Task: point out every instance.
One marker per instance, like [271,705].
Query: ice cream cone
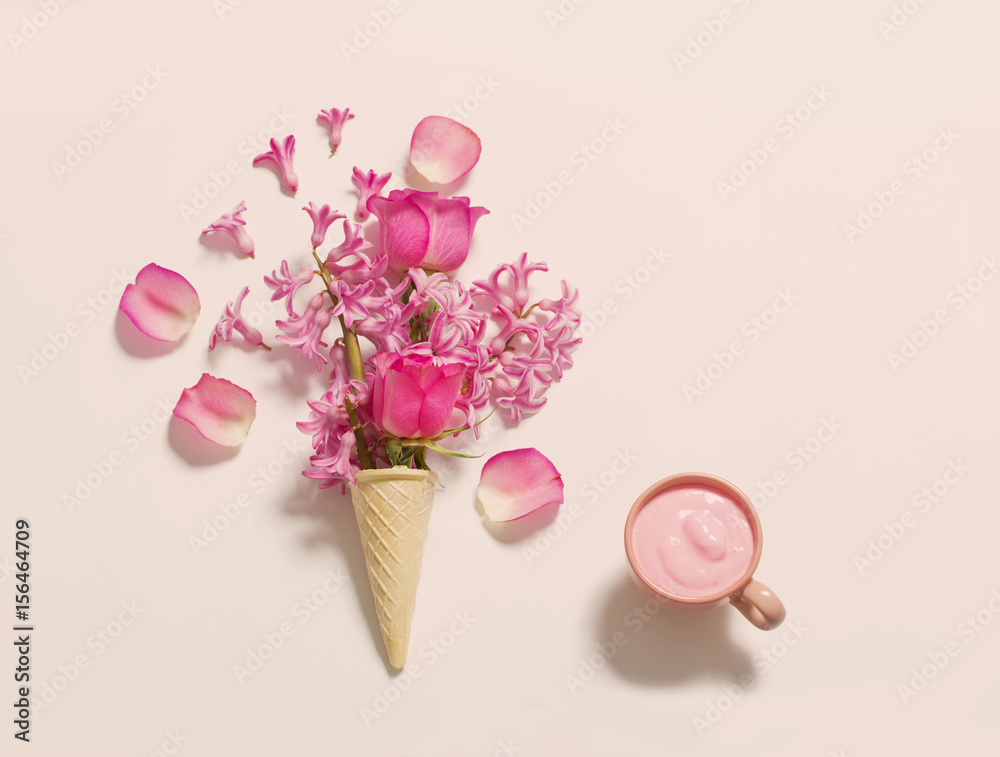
[393,508]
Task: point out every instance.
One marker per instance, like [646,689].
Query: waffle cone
[393,509]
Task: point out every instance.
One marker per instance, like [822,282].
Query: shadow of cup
[662,647]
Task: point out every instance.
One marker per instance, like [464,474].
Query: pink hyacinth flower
[512,291]
[361,270]
[233,224]
[321,218]
[334,120]
[566,308]
[305,332]
[352,301]
[280,156]
[161,303]
[232,319]
[518,482]
[443,150]
[354,242]
[368,185]
[285,285]
[218,409]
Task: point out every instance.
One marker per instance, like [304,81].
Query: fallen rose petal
[443,150]
[161,303]
[218,409]
[518,482]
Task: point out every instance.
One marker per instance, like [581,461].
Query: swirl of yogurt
[692,541]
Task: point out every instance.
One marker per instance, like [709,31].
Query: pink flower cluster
[530,351]
[443,352]
[440,354]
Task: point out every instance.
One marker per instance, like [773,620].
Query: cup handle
[759,605]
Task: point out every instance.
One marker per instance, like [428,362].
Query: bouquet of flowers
[412,355]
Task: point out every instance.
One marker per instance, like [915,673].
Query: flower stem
[354,365]
[420,458]
[364,457]
[353,347]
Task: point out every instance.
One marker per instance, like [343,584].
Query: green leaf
[394,449]
[438,448]
[420,458]
[450,431]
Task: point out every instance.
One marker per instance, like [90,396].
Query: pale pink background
[621,413]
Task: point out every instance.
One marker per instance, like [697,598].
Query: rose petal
[220,411]
[518,482]
[161,303]
[403,228]
[443,150]
[450,226]
[401,416]
[439,399]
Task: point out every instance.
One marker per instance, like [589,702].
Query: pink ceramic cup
[752,598]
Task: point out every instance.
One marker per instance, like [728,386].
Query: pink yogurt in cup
[693,542]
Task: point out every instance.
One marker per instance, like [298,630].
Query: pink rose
[420,229]
[412,397]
